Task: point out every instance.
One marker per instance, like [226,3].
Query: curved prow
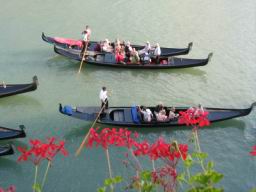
[190,46]
[210,56]
[22,127]
[35,80]
[43,36]
[253,105]
[60,108]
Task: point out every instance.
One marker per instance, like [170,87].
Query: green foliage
[37,187]
[109,184]
[253,190]
[144,182]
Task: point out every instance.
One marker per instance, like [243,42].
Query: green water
[226,28]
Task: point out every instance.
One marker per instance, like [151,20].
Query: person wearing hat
[104,97]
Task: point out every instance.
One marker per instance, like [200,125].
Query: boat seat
[118,116]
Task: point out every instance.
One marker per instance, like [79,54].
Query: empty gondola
[6,150]
[14,89]
[8,133]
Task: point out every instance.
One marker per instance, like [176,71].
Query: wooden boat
[128,116]
[6,150]
[8,133]
[77,44]
[108,59]
[14,89]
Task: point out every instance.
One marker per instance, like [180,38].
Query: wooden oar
[81,64]
[87,135]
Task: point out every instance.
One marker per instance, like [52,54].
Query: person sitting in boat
[135,58]
[106,46]
[128,50]
[161,116]
[146,114]
[161,113]
[196,111]
[157,53]
[172,114]
[145,59]
[119,54]
[146,49]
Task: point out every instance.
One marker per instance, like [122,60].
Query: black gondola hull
[108,60]
[6,150]
[122,116]
[165,52]
[14,89]
[8,133]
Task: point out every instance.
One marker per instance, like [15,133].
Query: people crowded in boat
[160,114]
[126,54]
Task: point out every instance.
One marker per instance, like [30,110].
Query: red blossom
[11,188]
[253,152]
[194,117]
[40,151]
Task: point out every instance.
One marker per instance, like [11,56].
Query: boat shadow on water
[64,64]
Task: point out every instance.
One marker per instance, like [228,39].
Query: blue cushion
[67,110]
[135,117]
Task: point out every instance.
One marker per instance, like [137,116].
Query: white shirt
[103,95]
[157,51]
[147,115]
[86,35]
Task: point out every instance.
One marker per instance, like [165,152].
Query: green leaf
[108,182]
[118,179]
[253,190]
[181,177]
[210,165]
[216,177]
[199,155]
[188,162]
[37,187]
[102,189]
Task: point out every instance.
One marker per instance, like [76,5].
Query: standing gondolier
[104,98]
[86,37]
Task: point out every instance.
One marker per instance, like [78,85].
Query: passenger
[199,111]
[146,49]
[128,50]
[135,58]
[172,114]
[106,46]
[120,55]
[146,113]
[146,58]
[161,116]
[157,53]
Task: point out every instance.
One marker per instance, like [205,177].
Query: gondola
[6,150]
[14,89]
[108,59]
[8,133]
[77,44]
[128,116]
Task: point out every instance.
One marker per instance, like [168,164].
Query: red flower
[253,152]
[40,151]
[12,188]
[194,117]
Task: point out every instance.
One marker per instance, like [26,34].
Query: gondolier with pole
[104,98]
[86,37]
